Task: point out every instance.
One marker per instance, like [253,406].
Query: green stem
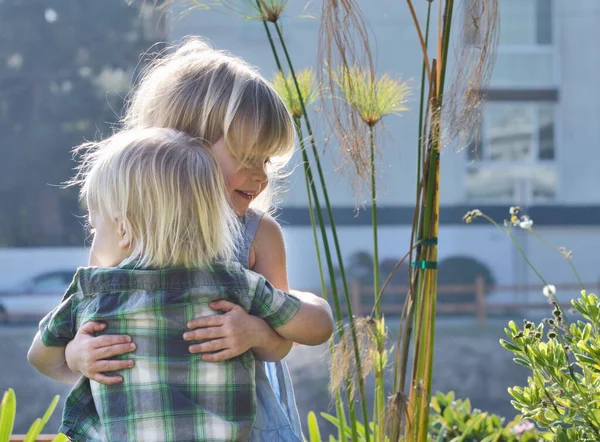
[556,249]
[445,46]
[518,246]
[422,104]
[552,297]
[400,381]
[379,406]
[310,182]
[374,224]
[307,173]
[334,233]
[340,328]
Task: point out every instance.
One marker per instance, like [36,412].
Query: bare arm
[50,361]
[268,258]
[313,324]
[236,331]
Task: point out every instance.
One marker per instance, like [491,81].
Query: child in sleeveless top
[164,237]
[217,97]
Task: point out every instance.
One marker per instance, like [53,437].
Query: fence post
[355,292]
[480,300]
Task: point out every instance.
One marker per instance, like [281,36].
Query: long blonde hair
[167,190]
[211,94]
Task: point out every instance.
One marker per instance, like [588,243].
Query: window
[514,162]
[526,51]
[514,159]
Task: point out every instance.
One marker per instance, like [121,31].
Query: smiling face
[243,184]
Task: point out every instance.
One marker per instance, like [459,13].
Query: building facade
[538,139]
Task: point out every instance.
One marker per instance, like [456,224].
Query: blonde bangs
[258,125]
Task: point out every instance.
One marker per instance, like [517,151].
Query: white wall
[579,148]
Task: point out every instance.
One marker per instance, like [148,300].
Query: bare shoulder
[269,232]
[268,251]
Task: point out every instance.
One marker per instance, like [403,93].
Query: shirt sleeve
[272,305]
[57,328]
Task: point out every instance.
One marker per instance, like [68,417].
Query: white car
[35,297]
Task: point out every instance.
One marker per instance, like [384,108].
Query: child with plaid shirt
[165,236]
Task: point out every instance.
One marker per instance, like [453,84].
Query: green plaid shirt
[170,394]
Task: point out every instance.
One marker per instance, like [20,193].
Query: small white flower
[506,223]
[549,290]
[514,210]
[525,222]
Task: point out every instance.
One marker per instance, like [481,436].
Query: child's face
[243,183]
[111,244]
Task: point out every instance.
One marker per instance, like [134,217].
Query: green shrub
[455,420]
[562,394]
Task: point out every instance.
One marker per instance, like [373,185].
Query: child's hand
[87,354]
[227,335]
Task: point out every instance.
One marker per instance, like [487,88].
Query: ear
[124,235]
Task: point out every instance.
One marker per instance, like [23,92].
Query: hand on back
[89,355]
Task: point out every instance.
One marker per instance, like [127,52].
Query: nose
[259,173]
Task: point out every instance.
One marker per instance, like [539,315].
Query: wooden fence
[475,298]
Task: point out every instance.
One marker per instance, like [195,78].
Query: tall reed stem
[309,177]
[339,405]
[374,224]
[335,238]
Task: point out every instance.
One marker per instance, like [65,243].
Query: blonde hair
[168,191]
[211,94]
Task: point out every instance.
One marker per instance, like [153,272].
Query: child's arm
[50,361]
[270,261]
[291,315]
[301,328]
[233,333]
[236,331]
[47,352]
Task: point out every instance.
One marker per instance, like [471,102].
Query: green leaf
[360,428]
[510,346]
[7,414]
[523,362]
[314,434]
[35,431]
[584,358]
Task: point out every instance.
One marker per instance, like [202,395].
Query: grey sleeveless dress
[277,418]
